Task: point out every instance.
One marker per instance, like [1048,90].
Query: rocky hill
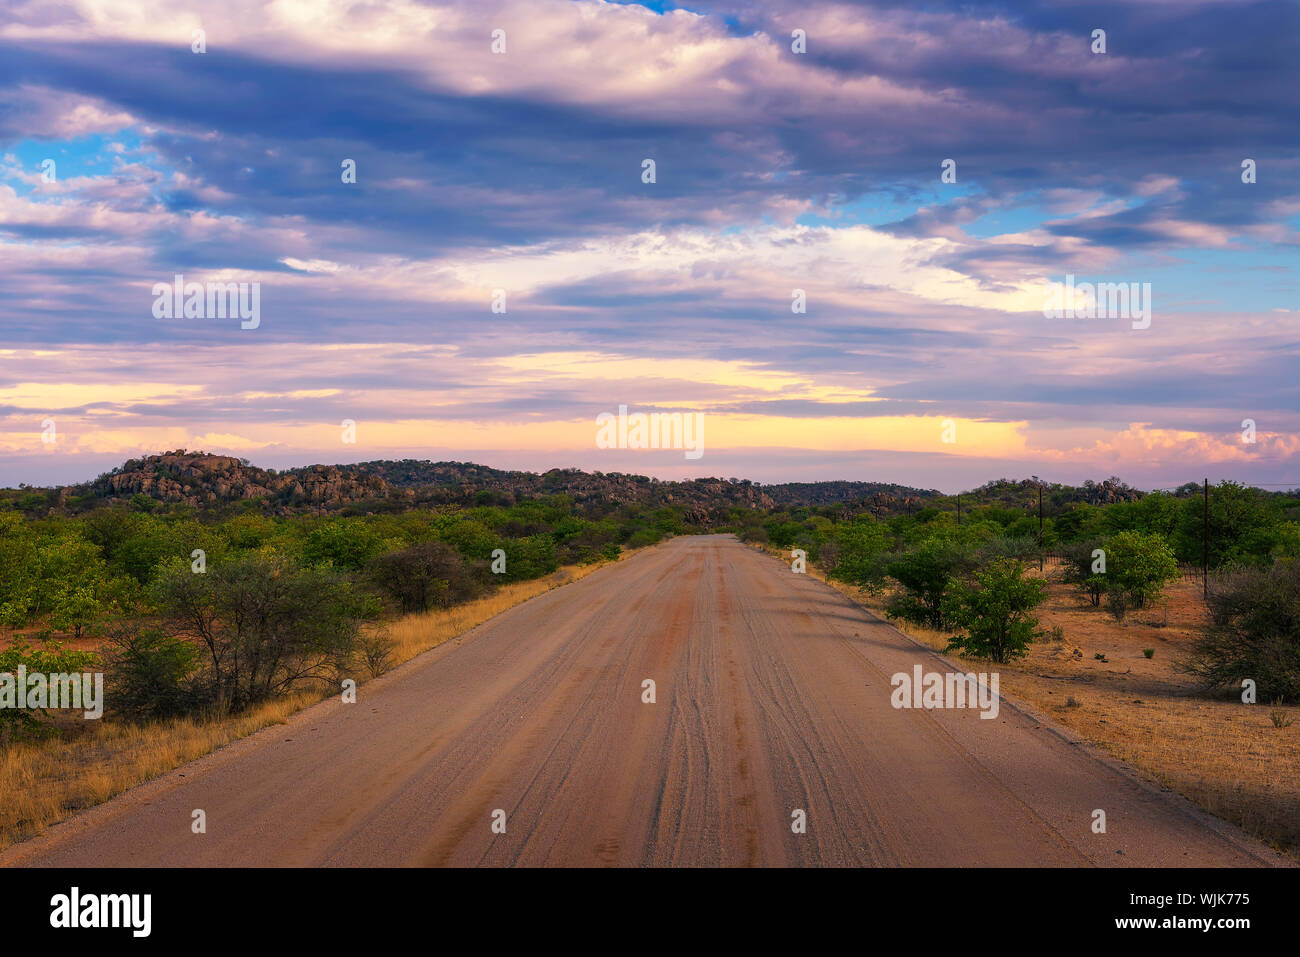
[200,479]
[1024,493]
[206,481]
[831,493]
[203,480]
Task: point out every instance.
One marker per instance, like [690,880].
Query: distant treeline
[965,572]
[225,606]
[1246,525]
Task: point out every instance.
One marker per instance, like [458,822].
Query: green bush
[924,573]
[530,557]
[1139,565]
[1023,547]
[642,538]
[1243,528]
[993,609]
[17,724]
[423,576]
[151,674]
[265,624]
[1079,564]
[782,533]
[860,553]
[347,543]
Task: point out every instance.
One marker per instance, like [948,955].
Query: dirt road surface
[772,696]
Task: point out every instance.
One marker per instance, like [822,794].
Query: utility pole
[1205,543]
[1040,528]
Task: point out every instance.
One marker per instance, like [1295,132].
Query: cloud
[775,171]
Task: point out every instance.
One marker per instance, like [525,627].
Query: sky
[837,265]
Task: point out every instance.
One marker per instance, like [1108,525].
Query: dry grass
[1227,757]
[47,781]
[420,632]
[44,782]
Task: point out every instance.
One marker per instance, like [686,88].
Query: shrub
[1117,602]
[533,557]
[642,538]
[25,723]
[377,652]
[1242,528]
[1254,632]
[1079,564]
[151,673]
[423,576]
[782,534]
[994,611]
[264,623]
[1141,565]
[581,543]
[925,573]
[1009,546]
[860,549]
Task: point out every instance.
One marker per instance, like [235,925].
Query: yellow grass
[1225,756]
[44,782]
[422,631]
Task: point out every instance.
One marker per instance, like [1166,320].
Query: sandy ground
[773,695]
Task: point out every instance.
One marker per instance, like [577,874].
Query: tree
[535,556]
[1140,565]
[781,532]
[265,624]
[994,611]
[1082,521]
[1241,526]
[1156,513]
[582,542]
[77,607]
[924,573]
[109,528]
[859,553]
[18,575]
[347,543]
[55,574]
[1079,564]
